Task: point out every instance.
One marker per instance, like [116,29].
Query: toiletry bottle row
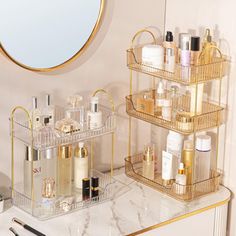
[181,164]
[76,117]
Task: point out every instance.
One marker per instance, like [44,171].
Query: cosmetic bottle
[184,121]
[80,164]
[203,157]
[187,157]
[36,114]
[94,116]
[207,43]
[148,162]
[153,56]
[67,125]
[145,104]
[160,96]
[49,165]
[195,50]
[180,180]
[184,55]
[174,96]
[196,92]
[48,194]
[168,164]
[32,157]
[174,145]
[86,189]
[169,52]
[74,107]
[166,109]
[49,110]
[64,170]
[95,187]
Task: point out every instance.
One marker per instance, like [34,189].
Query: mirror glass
[45,34]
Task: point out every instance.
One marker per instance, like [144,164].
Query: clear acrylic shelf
[42,140]
[133,169]
[217,69]
[211,116]
[108,188]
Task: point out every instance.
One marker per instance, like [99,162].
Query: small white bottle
[174,145]
[81,165]
[180,180]
[94,117]
[160,97]
[49,110]
[203,157]
[166,109]
[36,114]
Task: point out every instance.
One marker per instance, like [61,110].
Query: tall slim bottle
[37,172]
[64,170]
[49,110]
[187,156]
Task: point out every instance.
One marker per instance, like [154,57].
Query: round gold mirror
[43,35]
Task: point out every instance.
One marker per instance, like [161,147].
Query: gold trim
[179,218]
[73,58]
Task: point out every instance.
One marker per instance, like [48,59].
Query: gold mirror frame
[74,57]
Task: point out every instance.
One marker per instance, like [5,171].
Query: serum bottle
[148,162]
[80,164]
[170,51]
[94,116]
[180,180]
[160,98]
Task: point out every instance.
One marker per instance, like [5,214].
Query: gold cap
[65,152]
[81,151]
[184,117]
[148,153]
[181,169]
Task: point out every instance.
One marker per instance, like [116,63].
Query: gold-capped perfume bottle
[64,170]
[145,104]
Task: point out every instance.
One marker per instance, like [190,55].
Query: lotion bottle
[94,116]
[81,165]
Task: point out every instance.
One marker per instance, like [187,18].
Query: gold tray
[217,69]
[211,116]
[133,169]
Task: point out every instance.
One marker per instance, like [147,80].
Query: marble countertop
[139,208]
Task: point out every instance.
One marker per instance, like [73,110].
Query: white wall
[103,65]
[191,15]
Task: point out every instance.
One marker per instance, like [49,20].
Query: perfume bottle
[74,106]
[80,164]
[187,157]
[35,114]
[67,125]
[207,43]
[64,170]
[48,194]
[49,110]
[94,116]
[148,162]
[160,97]
[32,157]
[180,180]
[145,104]
[170,51]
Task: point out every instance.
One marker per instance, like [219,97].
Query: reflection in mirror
[43,35]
